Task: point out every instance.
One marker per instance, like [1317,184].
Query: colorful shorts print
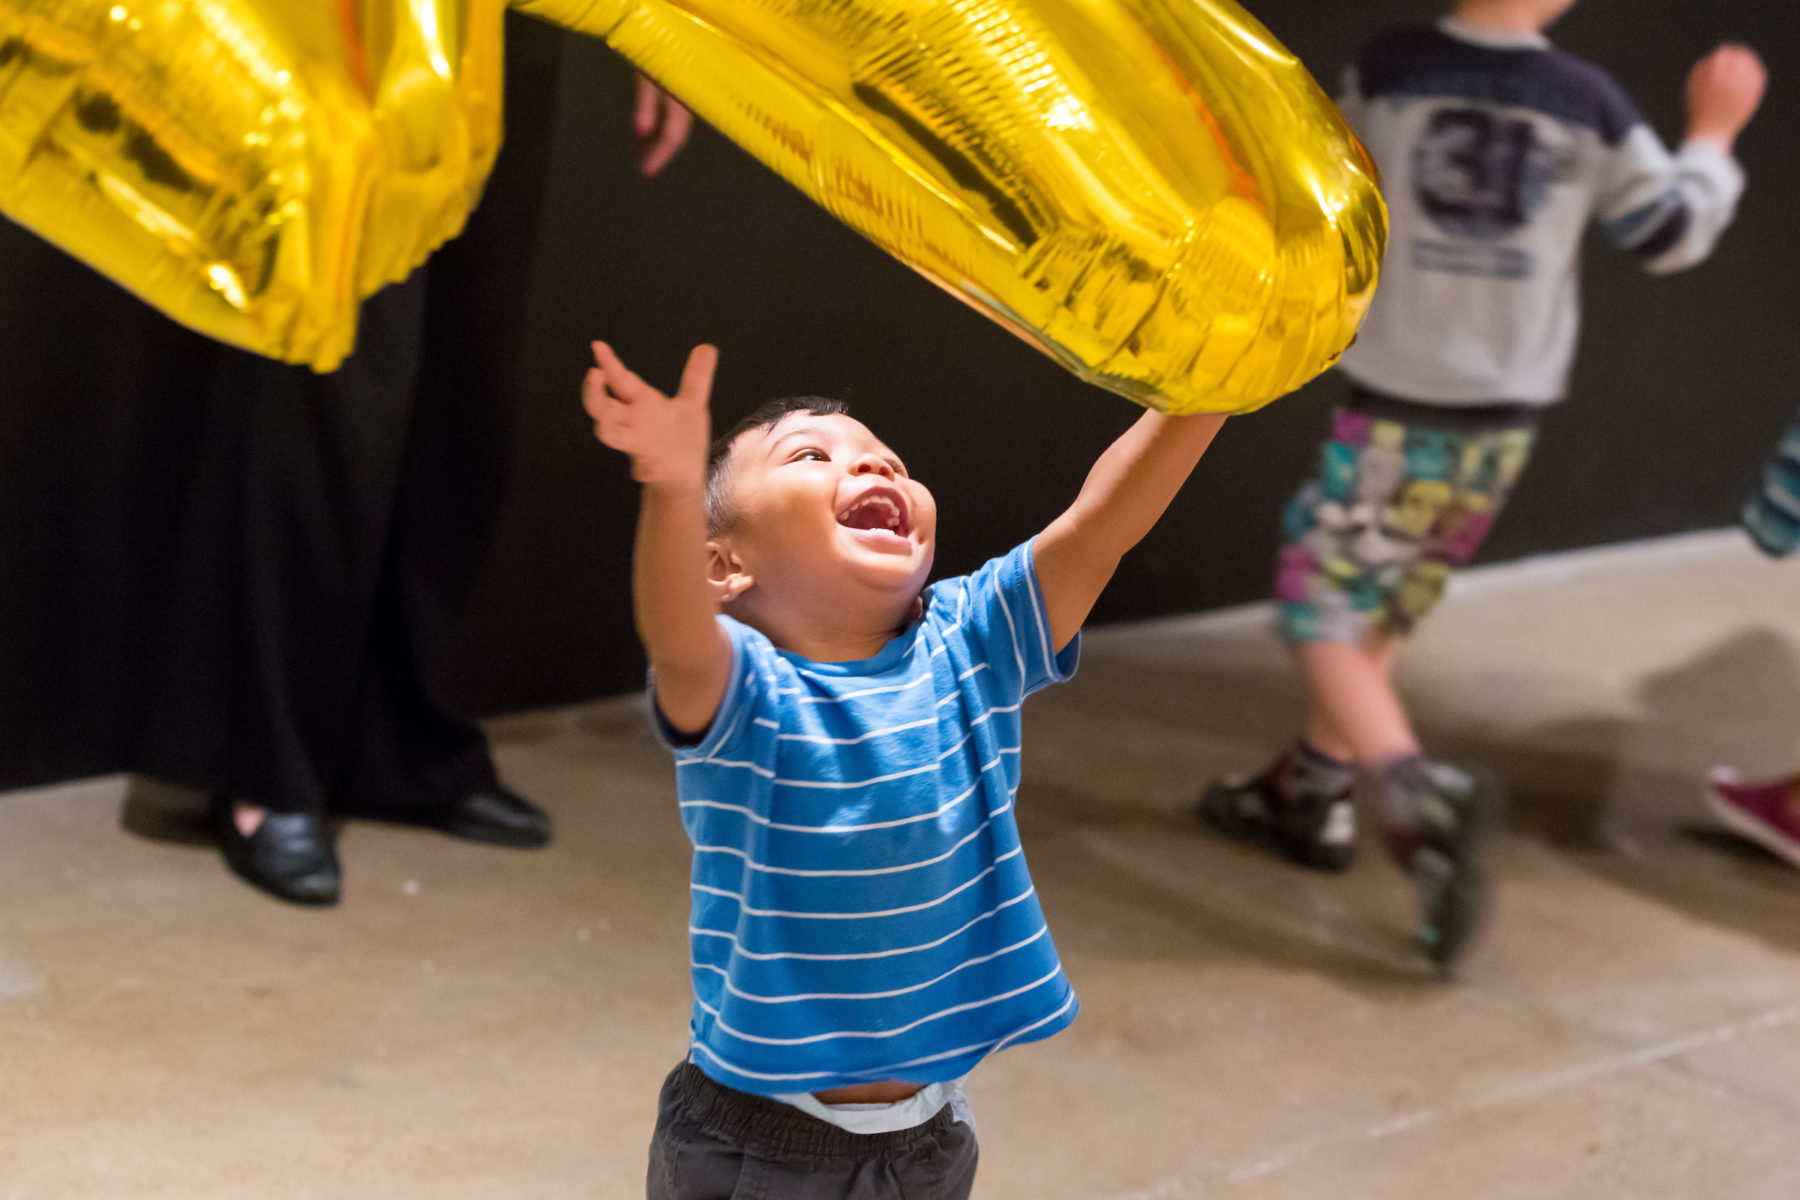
[1368,546]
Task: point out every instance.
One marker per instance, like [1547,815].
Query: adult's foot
[287,855]
[494,816]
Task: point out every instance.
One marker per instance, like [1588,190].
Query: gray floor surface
[476,1023]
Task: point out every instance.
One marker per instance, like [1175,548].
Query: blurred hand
[1723,92]
[662,126]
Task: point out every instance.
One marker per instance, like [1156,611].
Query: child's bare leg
[1353,713]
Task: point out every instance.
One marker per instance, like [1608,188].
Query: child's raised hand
[666,436]
[1723,92]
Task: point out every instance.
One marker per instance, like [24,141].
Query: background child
[1496,150]
[864,928]
[1767,813]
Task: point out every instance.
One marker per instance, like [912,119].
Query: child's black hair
[718,492]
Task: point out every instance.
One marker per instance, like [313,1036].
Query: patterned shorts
[1368,546]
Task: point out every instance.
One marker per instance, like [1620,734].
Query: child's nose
[872,464]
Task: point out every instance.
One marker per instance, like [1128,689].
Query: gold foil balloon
[252,169]
[1152,191]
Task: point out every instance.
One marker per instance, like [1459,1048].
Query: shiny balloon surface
[253,168]
[1154,192]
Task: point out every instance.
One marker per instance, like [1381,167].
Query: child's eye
[899,467]
[811,455]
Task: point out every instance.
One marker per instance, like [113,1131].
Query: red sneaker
[1766,813]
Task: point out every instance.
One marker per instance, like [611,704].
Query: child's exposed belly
[889,1091]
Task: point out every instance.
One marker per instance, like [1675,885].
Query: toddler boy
[864,930]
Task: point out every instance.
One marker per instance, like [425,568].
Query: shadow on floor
[1156,886]
[1113,767]
[1623,798]
[165,812]
[1620,798]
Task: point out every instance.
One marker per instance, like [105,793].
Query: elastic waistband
[765,1125]
[1459,418]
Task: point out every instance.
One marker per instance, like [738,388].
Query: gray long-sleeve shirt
[1496,150]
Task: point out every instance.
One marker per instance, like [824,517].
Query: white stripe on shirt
[1012,626]
[923,677]
[821,740]
[836,1034]
[987,1048]
[759,819]
[747,910]
[737,946]
[916,987]
[753,865]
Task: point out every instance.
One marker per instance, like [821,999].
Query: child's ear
[725,572]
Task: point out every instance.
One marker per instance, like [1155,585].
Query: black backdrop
[1682,388]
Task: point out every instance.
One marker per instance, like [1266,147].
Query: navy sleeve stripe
[1775,532]
[1782,487]
[892,952]
[1628,230]
[1666,236]
[1772,514]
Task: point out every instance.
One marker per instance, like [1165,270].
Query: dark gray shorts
[717,1143]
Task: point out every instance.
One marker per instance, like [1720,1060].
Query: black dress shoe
[290,855]
[492,815]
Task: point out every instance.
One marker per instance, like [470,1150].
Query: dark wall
[1683,386]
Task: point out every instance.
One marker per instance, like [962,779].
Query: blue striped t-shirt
[861,906]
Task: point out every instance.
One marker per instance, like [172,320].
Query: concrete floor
[484,1024]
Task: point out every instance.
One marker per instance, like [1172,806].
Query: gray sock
[1401,786]
[1307,777]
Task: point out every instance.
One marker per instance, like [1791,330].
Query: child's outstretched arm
[1126,492]
[667,439]
[1671,209]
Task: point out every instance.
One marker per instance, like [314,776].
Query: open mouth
[880,510]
